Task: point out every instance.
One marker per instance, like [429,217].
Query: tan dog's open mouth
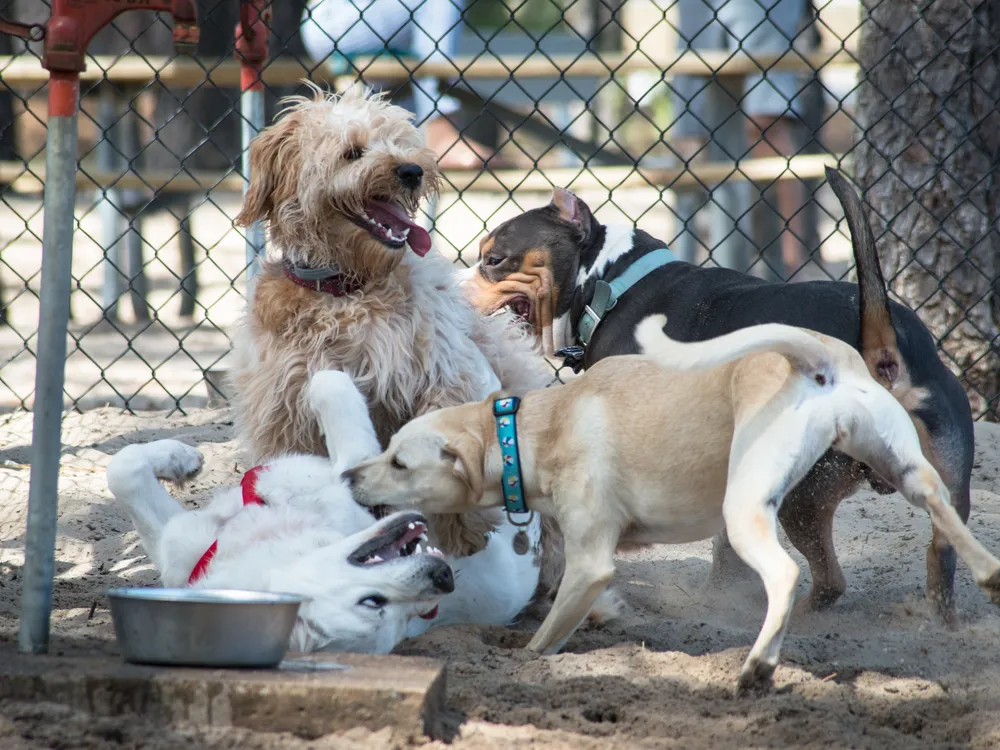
[392,226]
[519,306]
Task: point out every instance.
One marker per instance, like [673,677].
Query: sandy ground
[872,672]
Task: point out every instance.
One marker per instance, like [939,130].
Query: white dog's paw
[174,461]
[169,460]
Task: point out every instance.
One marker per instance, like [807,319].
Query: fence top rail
[806,166]
[21,70]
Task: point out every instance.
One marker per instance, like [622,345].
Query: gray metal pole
[108,161]
[53,317]
[252,109]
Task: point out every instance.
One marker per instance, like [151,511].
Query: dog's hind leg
[133,478]
[764,465]
[878,431]
[344,419]
[807,516]
[950,453]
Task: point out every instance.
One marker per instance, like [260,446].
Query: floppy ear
[573,211]
[467,457]
[273,173]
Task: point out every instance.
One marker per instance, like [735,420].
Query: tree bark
[929,161]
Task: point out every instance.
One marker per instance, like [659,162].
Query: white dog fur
[299,541]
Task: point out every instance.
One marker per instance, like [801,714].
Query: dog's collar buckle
[606,295]
[572,357]
[512,482]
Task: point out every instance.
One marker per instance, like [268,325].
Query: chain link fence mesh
[705,122]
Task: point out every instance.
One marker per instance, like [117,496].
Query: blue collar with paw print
[504,410]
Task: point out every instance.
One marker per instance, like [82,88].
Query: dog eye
[397,464]
[375,601]
[353,154]
[494,260]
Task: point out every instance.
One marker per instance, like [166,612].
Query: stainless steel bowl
[203,627]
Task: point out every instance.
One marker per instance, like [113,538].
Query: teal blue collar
[505,409]
[606,295]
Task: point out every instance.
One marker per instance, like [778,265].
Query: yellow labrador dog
[666,448]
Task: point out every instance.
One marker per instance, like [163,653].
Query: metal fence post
[109,159]
[53,317]
[252,109]
[251,49]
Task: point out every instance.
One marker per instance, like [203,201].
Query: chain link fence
[705,122]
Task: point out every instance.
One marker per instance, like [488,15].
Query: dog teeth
[373,559]
[412,526]
[417,550]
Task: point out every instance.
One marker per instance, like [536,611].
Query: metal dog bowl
[203,627]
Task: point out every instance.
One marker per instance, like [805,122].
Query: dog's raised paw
[332,392]
[174,461]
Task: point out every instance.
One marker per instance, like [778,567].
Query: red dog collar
[250,497]
[337,284]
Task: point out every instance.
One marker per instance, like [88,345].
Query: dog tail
[806,353]
[876,337]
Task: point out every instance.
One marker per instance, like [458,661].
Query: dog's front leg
[344,419]
[134,475]
[590,566]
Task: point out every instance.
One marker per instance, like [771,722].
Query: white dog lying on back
[292,526]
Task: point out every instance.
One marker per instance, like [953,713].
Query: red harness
[250,497]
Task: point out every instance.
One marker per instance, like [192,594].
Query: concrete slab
[309,695]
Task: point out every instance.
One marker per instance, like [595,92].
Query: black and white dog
[580,284]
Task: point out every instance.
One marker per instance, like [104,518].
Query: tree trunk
[929,161]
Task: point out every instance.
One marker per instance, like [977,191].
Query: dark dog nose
[443,579]
[410,175]
[349,476]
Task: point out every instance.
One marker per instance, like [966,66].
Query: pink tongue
[418,239]
[434,612]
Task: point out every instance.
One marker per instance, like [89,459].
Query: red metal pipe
[251,42]
[73,23]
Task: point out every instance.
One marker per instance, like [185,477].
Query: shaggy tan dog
[357,288]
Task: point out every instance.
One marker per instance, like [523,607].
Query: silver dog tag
[521,543]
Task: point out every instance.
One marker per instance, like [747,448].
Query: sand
[874,671]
